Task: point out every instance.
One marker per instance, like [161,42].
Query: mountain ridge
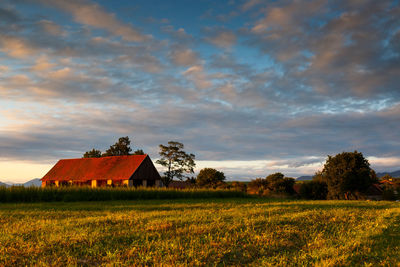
[33,182]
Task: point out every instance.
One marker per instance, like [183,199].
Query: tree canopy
[94,153]
[138,152]
[209,177]
[275,183]
[347,174]
[178,162]
[120,148]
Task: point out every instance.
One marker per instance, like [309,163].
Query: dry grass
[201,232]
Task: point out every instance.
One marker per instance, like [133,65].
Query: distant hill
[3,184]
[304,178]
[395,174]
[33,182]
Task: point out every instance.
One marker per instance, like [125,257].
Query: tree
[120,148]
[240,186]
[347,175]
[278,183]
[177,162]
[258,186]
[275,183]
[209,177]
[94,153]
[138,152]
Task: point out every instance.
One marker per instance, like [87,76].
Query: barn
[133,170]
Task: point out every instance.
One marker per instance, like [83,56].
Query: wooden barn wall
[146,171]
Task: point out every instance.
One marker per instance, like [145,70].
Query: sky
[251,87]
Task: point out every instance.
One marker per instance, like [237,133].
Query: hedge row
[48,194]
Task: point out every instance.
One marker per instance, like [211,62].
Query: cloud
[94,15]
[222,38]
[180,35]
[307,80]
[51,27]
[42,64]
[250,4]
[3,69]
[184,56]
[287,18]
[198,76]
[335,56]
[8,15]
[16,47]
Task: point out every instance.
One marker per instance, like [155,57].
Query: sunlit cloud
[92,14]
[250,87]
[222,38]
[16,47]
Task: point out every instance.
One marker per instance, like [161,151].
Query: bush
[239,186]
[274,184]
[314,190]
[258,186]
[389,194]
[209,177]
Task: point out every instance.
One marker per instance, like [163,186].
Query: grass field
[201,232]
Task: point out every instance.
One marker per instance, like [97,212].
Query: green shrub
[273,185]
[388,194]
[314,190]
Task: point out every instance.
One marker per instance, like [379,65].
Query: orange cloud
[15,47]
[94,15]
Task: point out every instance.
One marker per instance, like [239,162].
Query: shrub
[274,184]
[314,190]
[388,194]
[209,177]
[259,186]
[239,186]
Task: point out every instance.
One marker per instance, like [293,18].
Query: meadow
[196,232]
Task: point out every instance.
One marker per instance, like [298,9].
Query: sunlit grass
[201,232]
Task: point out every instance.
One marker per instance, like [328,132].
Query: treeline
[16,194]
[347,175]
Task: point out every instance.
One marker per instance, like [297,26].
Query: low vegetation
[245,231]
[48,194]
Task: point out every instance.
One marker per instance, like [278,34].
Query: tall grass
[201,232]
[48,194]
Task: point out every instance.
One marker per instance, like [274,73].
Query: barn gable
[146,170]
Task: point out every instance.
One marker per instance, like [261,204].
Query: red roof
[84,169]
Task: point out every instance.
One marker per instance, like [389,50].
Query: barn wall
[146,171]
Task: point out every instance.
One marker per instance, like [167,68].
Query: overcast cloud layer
[250,87]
